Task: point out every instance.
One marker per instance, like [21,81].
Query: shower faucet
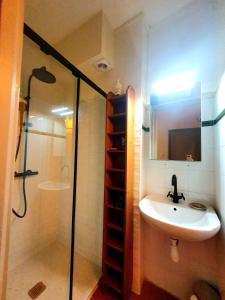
[26,173]
[45,76]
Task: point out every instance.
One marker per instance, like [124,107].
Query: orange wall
[11,33]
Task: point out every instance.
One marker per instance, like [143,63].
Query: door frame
[11,37]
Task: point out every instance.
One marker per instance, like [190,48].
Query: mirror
[176,124]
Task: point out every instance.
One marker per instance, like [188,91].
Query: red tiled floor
[152,292]
[149,292]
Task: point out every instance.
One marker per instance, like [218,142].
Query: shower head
[43,75]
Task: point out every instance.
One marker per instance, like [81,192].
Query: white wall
[220,181]
[90,42]
[190,40]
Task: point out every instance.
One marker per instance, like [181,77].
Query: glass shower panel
[90,192]
[39,258]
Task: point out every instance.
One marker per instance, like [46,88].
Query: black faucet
[175,196]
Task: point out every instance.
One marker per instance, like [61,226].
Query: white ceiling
[54,19]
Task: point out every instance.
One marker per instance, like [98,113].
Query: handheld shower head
[43,75]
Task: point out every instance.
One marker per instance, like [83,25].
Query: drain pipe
[174,254]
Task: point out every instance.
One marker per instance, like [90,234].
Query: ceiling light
[59,109]
[174,84]
[67,113]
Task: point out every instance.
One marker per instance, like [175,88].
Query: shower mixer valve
[26,173]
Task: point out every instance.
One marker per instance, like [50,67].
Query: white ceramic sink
[179,220]
[53,186]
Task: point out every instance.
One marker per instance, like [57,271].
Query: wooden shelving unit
[118,203]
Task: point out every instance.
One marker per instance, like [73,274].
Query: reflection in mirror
[176,122]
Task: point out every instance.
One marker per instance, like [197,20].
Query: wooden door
[183,142]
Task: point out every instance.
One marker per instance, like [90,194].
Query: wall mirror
[176,124]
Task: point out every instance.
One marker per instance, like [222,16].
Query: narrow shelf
[115,246]
[116,151]
[115,188]
[115,226]
[115,170]
[113,283]
[117,116]
[117,239]
[113,264]
[115,208]
[117,99]
[116,133]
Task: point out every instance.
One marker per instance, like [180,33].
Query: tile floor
[52,267]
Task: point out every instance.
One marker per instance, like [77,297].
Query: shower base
[51,267]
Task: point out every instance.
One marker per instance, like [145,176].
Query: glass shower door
[89,192]
[39,256]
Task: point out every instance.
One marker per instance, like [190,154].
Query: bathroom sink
[179,220]
[53,186]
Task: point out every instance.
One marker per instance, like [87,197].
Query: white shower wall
[90,180]
[49,212]
[46,154]
[90,183]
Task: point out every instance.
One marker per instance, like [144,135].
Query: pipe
[27,98]
[174,254]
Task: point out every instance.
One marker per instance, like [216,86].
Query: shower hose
[25,157]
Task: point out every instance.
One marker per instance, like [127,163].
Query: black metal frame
[49,50]
[215,121]
[72,247]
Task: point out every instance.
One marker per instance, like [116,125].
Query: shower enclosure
[56,234]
